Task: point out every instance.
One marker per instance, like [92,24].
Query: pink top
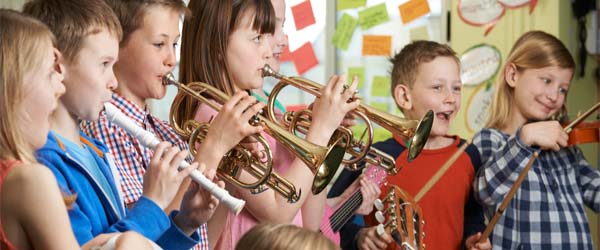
[236,226]
[5,167]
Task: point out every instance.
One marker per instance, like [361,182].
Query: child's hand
[546,135]
[198,204]
[333,104]
[369,192]
[231,125]
[162,178]
[369,239]
[472,243]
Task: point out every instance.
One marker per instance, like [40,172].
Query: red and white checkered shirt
[131,157]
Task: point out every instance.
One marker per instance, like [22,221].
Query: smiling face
[247,53]
[148,55]
[43,88]
[437,87]
[538,93]
[89,78]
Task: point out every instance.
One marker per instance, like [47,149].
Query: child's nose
[170,59]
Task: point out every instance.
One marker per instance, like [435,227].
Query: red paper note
[304,58]
[303,15]
[377,45]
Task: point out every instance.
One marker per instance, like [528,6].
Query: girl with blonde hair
[547,211]
[283,237]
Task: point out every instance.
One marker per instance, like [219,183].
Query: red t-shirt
[444,204]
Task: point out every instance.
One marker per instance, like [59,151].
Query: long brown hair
[533,50]
[205,39]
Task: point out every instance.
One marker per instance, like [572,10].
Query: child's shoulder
[29,177]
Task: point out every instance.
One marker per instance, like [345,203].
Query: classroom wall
[554,17]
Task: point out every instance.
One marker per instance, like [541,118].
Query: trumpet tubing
[322,161]
[149,140]
[416,131]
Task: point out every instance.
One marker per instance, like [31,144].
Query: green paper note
[350,4]
[357,71]
[381,86]
[373,16]
[344,31]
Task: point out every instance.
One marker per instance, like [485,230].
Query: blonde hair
[283,237]
[73,20]
[23,41]
[533,50]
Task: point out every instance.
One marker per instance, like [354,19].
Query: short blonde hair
[283,237]
[72,21]
[533,50]
[23,42]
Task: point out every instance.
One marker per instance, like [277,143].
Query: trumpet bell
[418,140]
[327,169]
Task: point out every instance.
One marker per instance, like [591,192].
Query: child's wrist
[183,224]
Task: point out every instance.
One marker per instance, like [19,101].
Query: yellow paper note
[377,45]
[350,4]
[413,9]
[360,73]
[381,86]
[373,16]
[419,33]
[343,33]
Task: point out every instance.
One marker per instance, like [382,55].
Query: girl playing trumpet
[232,61]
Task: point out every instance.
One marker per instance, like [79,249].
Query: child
[147,55]
[89,33]
[32,207]
[547,211]
[232,60]
[283,237]
[426,76]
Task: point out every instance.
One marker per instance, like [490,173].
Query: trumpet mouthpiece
[268,71]
[169,79]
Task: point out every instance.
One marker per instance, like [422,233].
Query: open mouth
[444,115]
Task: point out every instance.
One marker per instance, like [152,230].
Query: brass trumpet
[322,161]
[414,130]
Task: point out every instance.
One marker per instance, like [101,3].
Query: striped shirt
[547,211]
[131,158]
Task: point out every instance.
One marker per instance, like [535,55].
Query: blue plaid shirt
[547,211]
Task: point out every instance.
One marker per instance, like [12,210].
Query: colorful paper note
[419,33]
[381,86]
[374,45]
[303,15]
[350,4]
[373,16]
[343,33]
[360,73]
[413,9]
[304,58]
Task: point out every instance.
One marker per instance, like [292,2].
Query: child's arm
[474,224]
[503,158]
[588,179]
[38,208]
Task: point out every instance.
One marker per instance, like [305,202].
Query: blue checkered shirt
[547,211]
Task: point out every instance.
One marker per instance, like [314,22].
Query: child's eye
[257,39]
[562,90]
[158,45]
[546,80]
[105,64]
[175,45]
[457,88]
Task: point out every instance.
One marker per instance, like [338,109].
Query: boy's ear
[510,74]
[402,96]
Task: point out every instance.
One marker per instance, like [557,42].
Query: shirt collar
[132,110]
